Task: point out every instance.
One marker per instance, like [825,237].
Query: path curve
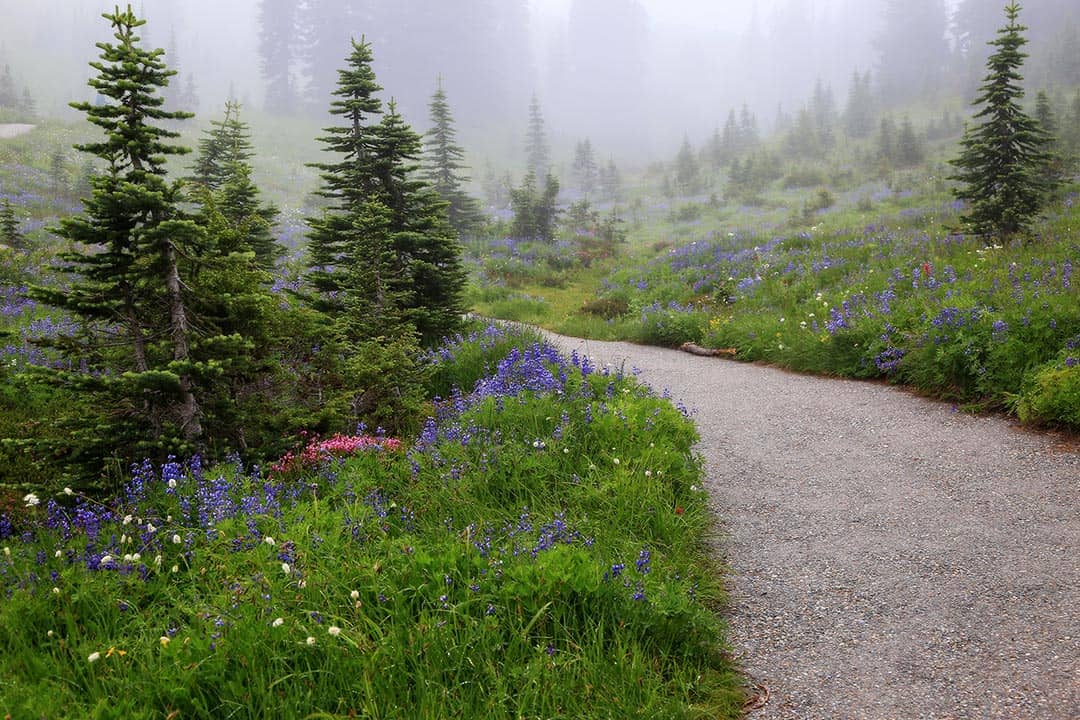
[889,557]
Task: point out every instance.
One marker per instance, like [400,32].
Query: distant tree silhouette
[444,166]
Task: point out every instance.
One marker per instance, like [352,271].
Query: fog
[634,76]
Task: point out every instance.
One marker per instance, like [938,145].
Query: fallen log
[694,349]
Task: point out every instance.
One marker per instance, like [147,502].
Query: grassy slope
[538,553]
[877,286]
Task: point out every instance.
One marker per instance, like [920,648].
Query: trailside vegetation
[1003,166]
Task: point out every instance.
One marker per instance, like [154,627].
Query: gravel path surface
[10,130]
[889,557]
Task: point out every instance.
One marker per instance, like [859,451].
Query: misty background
[637,77]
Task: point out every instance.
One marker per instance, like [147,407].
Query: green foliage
[1002,166]
[687,172]
[128,292]
[444,163]
[383,247]
[1052,395]
[537,151]
[535,210]
[594,600]
[10,234]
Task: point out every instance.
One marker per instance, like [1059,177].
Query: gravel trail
[10,130]
[889,557]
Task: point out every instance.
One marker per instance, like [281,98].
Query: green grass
[470,576]
[992,328]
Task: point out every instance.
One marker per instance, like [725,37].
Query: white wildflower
[68,491]
[175,539]
[128,519]
[31,500]
[278,622]
[355,594]
[285,568]
[93,657]
[268,540]
[310,640]
[334,630]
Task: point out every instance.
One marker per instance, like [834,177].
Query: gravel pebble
[888,556]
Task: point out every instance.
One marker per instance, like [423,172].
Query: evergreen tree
[887,139]
[909,148]
[1003,159]
[427,253]
[227,141]
[804,140]
[224,188]
[859,111]
[349,184]
[189,95]
[913,51]
[444,166]
[537,152]
[585,171]
[1046,119]
[277,32]
[714,150]
[748,129]
[9,226]
[1070,135]
[384,243]
[8,97]
[58,173]
[535,211]
[687,173]
[610,182]
[822,106]
[128,292]
[731,139]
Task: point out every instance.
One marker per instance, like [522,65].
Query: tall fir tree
[348,183]
[445,164]
[427,253]
[860,112]
[376,184]
[277,37]
[909,147]
[610,182]
[687,172]
[585,171]
[537,150]
[384,263]
[1003,159]
[9,98]
[137,337]
[222,184]
[227,141]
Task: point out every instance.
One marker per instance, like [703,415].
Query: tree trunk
[188,411]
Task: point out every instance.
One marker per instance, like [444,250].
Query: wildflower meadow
[538,551]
